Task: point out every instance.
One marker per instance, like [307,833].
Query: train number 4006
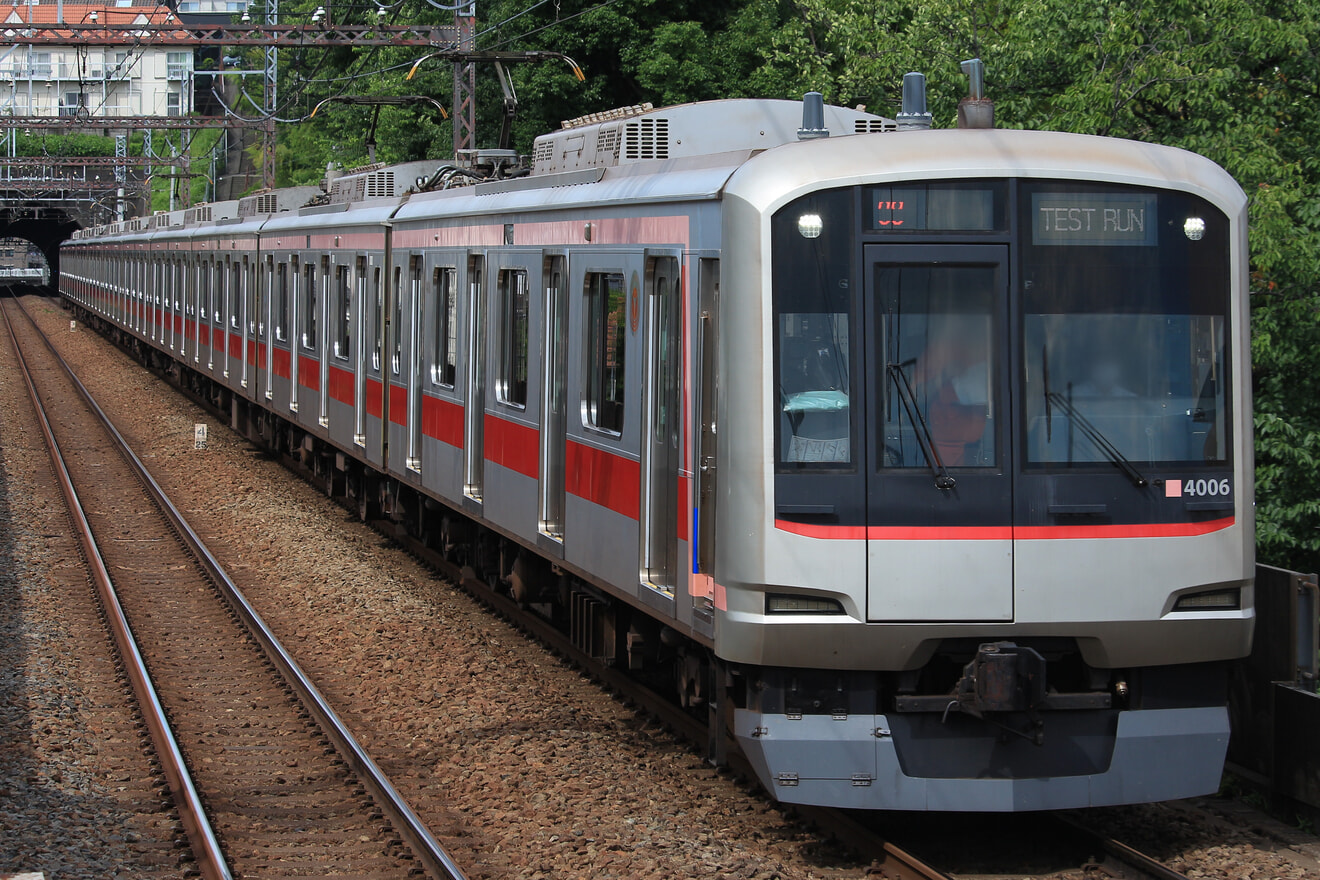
[1200,488]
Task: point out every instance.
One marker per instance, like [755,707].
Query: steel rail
[425,848]
[1133,858]
[206,849]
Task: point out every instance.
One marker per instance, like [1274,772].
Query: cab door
[938,454]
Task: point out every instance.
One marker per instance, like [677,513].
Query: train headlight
[810,225]
[1210,600]
[1194,228]
[780,603]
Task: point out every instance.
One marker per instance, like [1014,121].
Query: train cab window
[511,371]
[444,366]
[607,328]
[815,333]
[308,307]
[341,314]
[937,333]
[1125,326]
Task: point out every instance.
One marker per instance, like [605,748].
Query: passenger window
[309,306]
[340,315]
[445,366]
[282,304]
[235,295]
[606,310]
[511,380]
[396,328]
[214,280]
[378,329]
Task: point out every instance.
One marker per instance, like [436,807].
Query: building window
[177,65]
[39,66]
[607,327]
[73,102]
[173,104]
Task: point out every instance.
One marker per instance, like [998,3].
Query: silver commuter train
[975,530]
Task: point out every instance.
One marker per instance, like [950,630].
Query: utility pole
[272,77]
[465,80]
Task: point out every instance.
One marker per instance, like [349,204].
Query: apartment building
[87,79]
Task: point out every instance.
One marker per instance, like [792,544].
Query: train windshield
[1040,328]
[1124,307]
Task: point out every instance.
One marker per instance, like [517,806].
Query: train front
[985,469]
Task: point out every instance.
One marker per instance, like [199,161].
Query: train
[917,460]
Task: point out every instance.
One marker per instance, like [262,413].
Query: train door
[171,302]
[662,424]
[323,345]
[414,353]
[370,325]
[248,322]
[234,302]
[198,306]
[267,329]
[395,375]
[937,454]
[703,582]
[554,404]
[297,342]
[474,416]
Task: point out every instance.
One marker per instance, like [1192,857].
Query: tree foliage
[1230,79]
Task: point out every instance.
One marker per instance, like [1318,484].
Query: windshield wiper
[905,393]
[1045,374]
[1101,442]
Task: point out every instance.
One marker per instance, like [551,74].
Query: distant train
[921,460]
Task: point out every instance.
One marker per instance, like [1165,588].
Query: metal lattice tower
[465,80]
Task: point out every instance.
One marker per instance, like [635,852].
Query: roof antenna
[975,110]
[914,116]
[813,117]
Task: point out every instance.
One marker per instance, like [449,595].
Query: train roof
[751,149]
[618,153]
[777,177]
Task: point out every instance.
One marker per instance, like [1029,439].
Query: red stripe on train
[443,420]
[398,405]
[603,478]
[513,446]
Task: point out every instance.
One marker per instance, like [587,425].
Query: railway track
[264,777]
